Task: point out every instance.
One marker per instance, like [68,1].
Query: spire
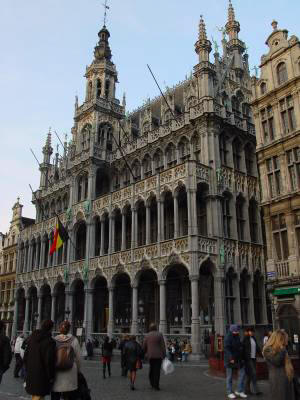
[232,26]
[124,101]
[231,15]
[102,50]
[202,29]
[47,149]
[202,46]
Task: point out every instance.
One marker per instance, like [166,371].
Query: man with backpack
[5,351]
[39,361]
[68,356]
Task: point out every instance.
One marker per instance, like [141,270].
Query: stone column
[69,304]
[195,315]
[133,227]
[192,212]
[110,327]
[88,312]
[92,243]
[219,295]
[123,244]
[111,245]
[53,306]
[162,220]
[237,301]
[251,315]
[162,307]
[26,320]
[102,237]
[176,216]
[159,225]
[134,324]
[148,224]
[39,319]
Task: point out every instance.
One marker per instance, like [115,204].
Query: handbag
[139,364]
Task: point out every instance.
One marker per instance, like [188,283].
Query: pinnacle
[48,140]
[231,15]
[202,29]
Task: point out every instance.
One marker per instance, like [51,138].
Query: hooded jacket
[67,381]
[39,360]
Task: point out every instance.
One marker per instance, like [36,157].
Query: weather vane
[106,7]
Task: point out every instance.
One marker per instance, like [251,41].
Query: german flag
[60,236]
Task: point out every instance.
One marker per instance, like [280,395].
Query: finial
[18,199]
[76,101]
[48,140]
[202,29]
[106,7]
[124,100]
[274,24]
[231,16]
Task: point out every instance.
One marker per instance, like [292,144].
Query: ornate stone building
[276,109]
[8,262]
[161,206]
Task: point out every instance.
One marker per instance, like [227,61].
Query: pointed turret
[47,149]
[202,46]
[232,26]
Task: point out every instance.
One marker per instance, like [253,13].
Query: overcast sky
[45,46]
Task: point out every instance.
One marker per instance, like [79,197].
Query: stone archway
[148,300]
[206,293]
[100,305]
[59,313]
[46,302]
[33,308]
[78,304]
[122,303]
[288,320]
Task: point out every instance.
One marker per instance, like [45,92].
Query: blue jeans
[241,380]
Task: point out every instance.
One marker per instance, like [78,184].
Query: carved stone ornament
[174,258]
[69,215]
[87,208]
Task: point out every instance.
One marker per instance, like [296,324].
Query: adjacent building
[8,262]
[161,206]
[276,111]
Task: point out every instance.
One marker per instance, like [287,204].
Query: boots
[104,370]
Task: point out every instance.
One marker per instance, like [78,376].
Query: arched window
[136,169]
[246,110]
[253,216]
[235,105]
[85,136]
[226,214]
[169,216]
[196,146]
[184,149]
[223,149]
[116,180]
[263,88]
[244,296]
[147,166]
[282,75]
[104,137]
[201,211]
[141,224]
[99,87]
[90,91]
[240,218]
[80,242]
[46,210]
[107,88]
[236,150]
[126,176]
[171,155]
[158,161]
[249,159]
[82,188]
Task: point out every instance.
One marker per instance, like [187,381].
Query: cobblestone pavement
[189,381]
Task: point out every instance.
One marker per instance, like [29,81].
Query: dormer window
[282,75]
[98,94]
[107,86]
[90,88]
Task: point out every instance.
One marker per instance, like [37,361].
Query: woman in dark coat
[39,360]
[133,355]
[107,349]
[280,368]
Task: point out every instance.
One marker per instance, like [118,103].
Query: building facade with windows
[276,110]
[161,206]
[8,262]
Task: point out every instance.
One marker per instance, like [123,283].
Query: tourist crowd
[52,365]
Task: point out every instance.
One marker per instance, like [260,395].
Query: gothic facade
[161,206]
[276,108]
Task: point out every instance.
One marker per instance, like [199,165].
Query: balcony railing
[282,269]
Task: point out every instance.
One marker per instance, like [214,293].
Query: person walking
[250,351]
[39,361]
[107,349]
[280,368]
[122,345]
[133,354]
[155,350]
[18,357]
[68,356]
[186,350]
[89,349]
[5,351]
[233,359]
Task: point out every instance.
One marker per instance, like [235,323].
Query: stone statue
[219,175]
[85,272]
[222,254]
[66,274]
[215,43]
[87,207]
[223,30]
[69,215]
[255,68]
